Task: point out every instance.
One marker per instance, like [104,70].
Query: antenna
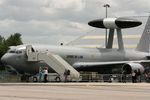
[106,6]
[115,24]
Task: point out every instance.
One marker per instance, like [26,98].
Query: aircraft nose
[4,59]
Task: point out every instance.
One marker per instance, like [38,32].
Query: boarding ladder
[57,63]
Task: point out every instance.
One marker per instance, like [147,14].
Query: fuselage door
[29,49]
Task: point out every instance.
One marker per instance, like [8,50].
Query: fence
[6,77]
[111,78]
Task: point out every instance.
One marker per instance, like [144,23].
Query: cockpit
[16,50]
[11,51]
[19,52]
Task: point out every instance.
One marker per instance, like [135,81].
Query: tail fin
[144,43]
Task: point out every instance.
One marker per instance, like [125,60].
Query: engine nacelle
[129,67]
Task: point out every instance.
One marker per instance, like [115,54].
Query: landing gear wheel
[35,79]
[25,78]
[57,79]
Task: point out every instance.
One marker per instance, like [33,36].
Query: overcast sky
[55,21]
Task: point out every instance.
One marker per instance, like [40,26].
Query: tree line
[5,43]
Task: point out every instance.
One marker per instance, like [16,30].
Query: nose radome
[4,58]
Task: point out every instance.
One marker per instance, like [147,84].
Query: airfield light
[106,6]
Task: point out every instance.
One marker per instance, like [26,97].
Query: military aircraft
[101,60]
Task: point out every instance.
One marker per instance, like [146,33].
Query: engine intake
[129,67]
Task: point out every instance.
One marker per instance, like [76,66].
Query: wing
[79,64]
[100,66]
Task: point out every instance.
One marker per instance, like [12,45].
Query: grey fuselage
[72,55]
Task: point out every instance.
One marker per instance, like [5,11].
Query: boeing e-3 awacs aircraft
[102,60]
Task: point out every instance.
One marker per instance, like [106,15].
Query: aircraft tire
[24,78]
[57,79]
[35,79]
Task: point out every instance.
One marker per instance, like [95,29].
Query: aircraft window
[75,56]
[11,51]
[18,52]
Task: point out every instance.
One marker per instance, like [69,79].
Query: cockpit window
[11,51]
[19,51]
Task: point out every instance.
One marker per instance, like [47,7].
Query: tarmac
[74,91]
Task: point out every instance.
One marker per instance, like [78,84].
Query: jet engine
[129,67]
